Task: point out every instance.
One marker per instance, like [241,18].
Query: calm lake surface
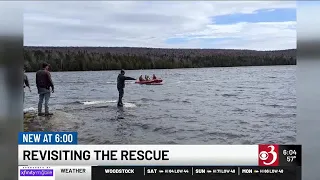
[236,105]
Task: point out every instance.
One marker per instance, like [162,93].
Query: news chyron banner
[58,156]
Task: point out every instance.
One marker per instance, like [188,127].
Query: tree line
[115,58]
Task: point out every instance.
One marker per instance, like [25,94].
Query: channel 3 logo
[268,155]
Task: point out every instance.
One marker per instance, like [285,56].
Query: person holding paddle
[154,77]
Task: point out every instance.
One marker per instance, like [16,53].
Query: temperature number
[291,158]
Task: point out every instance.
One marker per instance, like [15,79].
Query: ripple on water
[165,130]
[229,95]
[225,134]
[276,116]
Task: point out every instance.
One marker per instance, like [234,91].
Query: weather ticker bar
[195,172]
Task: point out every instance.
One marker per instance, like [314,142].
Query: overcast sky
[262,25]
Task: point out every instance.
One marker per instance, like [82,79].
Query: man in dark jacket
[121,84]
[44,82]
[25,83]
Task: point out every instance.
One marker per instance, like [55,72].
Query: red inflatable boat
[151,82]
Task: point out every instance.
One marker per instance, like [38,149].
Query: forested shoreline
[115,58]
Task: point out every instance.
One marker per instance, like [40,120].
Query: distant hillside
[114,58]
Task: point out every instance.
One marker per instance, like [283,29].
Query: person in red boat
[141,78]
[154,77]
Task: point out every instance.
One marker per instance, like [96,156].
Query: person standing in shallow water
[121,84]
[44,82]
